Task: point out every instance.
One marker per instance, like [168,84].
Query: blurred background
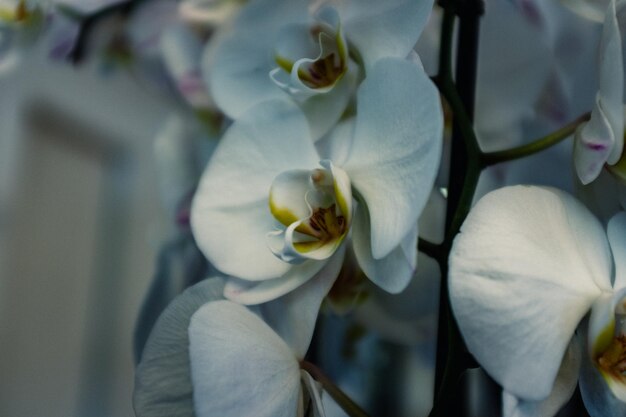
[80,225]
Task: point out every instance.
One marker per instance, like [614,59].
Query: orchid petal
[230,216]
[324,110]
[393,272]
[382,29]
[180,49]
[611,89]
[208,12]
[237,69]
[314,389]
[616,232]
[337,143]
[564,386]
[589,9]
[250,293]
[396,149]
[163,378]
[526,267]
[593,144]
[293,316]
[239,366]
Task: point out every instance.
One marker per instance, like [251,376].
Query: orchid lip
[316,74]
[315,210]
[610,347]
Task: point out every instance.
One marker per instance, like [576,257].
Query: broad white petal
[611,81]
[616,231]
[381,29]
[230,215]
[392,272]
[526,267]
[240,366]
[237,69]
[293,316]
[396,149]
[593,144]
[564,386]
[246,292]
[163,378]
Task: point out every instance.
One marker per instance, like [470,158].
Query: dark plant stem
[88,24]
[465,170]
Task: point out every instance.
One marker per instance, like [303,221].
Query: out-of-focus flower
[589,9]
[601,140]
[274,213]
[278,49]
[211,13]
[21,23]
[528,265]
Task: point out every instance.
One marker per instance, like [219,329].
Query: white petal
[293,315]
[564,386]
[245,292]
[240,367]
[381,29]
[163,377]
[393,272]
[208,12]
[589,9]
[616,231]
[230,214]
[337,143]
[396,149]
[315,392]
[593,144]
[238,68]
[524,270]
[324,110]
[612,80]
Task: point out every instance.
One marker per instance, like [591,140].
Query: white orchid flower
[601,140]
[208,357]
[181,49]
[528,265]
[277,49]
[21,23]
[273,212]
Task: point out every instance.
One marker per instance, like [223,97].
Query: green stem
[434,250]
[350,407]
[492,158]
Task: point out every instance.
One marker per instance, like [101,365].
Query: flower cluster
[318,149]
